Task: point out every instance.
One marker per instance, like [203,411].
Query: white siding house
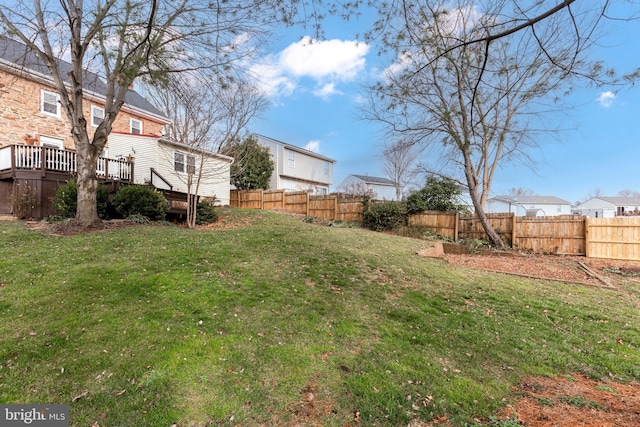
[609,207]
[165,164]
[383,188]
[297,169]
[529,205]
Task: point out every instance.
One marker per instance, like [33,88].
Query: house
[609,207]
[298,169]
[30,109]
[382,188]
[37,152]
[166,165]
[529,205]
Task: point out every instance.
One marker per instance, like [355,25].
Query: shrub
[206,213]
[438,194]
[141,200]
[66,200]
[381,216]
[138,219]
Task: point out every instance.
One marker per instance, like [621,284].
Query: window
[191,165]
[50,103]
[48,141]
[136,126]
[292,159]
[97,115]
[184,163]
[326,168]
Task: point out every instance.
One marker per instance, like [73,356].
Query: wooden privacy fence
[611,238]
[299,202]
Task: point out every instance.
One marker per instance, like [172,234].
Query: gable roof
[374,180]
[620,201]
[534,200]
[18,58]
[295,148]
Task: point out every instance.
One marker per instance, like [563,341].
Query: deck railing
[28,157]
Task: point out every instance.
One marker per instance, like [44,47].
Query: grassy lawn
[285,323]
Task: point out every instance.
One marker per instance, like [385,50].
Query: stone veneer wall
[20,114]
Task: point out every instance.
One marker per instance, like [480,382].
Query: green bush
[381,216]
[206,213]
[66,200]
[438,194]
[141,200]
[138,219]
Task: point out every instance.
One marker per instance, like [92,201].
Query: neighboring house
[609,207]
[382,188]
[166,164]
[529,205]
[37,152]
[297,169]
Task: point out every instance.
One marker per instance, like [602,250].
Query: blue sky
[315,89]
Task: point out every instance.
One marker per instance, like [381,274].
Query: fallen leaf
[80,396]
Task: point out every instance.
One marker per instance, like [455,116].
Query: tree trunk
[472,183]
[87,211]
[493,236]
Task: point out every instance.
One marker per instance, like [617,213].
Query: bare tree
[628,193]
[476,105]
[519,192]
[206,114]
[400,164]
[127,40]
[358,189]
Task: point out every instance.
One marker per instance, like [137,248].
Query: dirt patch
[572,269]
[227,223]
[575,401]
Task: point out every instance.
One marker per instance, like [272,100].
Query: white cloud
[606,99]
[326,91]
[313,146]
[326,63]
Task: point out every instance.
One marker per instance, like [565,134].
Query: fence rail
[611,238]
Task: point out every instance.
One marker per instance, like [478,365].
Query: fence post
[335,207]
[456,227]
[282,198]
[586,236]
[513,231]
[307,193]
[261,200]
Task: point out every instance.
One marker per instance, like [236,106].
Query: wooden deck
[38,171]
[19,158]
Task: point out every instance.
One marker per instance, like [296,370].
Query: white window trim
[131,125]
[57,96]
[292,159]
[96,108]
[50,141]
[185,162]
